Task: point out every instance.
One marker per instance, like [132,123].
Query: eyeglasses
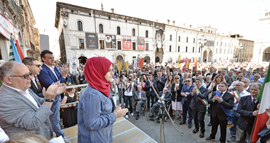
[26,76]
[188,81]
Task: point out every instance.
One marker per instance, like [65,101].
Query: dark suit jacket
[228,102]
[196,103]
[46,77]
[36,89]
[214,74]
[148,87]
[159,84]
[245,109]
[135,94]
[179,97]
[189,97]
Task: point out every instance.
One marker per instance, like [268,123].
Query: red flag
[19,50]
[184,67]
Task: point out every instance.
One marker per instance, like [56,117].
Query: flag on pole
[204,101]
[13,52]
[227,70]
[187,66]
[179,60]
[196,64]
[126,65]
[264,98]
[184,67]
[19,50]
[119,67]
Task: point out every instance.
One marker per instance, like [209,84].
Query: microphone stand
[163,106]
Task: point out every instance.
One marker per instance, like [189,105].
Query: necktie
[254,101]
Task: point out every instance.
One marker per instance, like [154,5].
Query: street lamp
[240,47]
[202,42]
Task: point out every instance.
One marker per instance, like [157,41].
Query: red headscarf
[95,70]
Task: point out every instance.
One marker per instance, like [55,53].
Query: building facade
[261,51]
[44,42]
[85,32]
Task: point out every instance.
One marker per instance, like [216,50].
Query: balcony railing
[15,9]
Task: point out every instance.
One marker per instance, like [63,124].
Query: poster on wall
[91,41]
[110,41]
[127,42]
[140,43]
[73,65]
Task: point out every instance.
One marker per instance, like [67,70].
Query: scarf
[95,70]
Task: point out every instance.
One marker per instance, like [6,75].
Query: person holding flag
[222,102]
[198,105]
[247,109]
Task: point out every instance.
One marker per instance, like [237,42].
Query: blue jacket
[95,117]
[189,97]
[46,77]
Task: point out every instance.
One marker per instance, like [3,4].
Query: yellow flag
[179,60]
[187,66]
[119,67]
[126,65]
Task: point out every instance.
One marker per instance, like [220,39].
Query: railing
[73,86]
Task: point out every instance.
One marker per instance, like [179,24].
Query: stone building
[86,32]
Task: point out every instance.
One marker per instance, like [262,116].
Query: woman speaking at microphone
[96,113]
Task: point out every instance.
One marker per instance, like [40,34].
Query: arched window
[118,31]
[133,32]
[146,33]
[100,28]
[80,26]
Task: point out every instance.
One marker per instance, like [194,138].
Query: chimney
[112,10]
[156,20]
[183,24]
[173,22]
[190,26]
[168,21]
[102,9]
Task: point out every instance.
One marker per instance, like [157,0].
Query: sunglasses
[26,76]
[37,65]
[188,81]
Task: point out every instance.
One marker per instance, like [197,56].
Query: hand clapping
[120,112]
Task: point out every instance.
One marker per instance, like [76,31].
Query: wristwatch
[49,100]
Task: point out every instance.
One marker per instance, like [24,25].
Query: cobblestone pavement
[177,134]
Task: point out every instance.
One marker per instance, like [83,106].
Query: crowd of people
[32,93]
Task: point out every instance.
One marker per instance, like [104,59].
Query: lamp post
[240,47]
[202,41]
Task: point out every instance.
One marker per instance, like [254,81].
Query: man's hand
[183,94]
[162,99]
[255,113]
[120,112]
[61,88]
[64,72]
[217,98]
[50,93]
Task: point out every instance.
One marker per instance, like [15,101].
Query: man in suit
[22,112]
[34,66]
[140,98]
[150,91]
[247,109]
[165,96]
[198,107]
[222,102]
[159,81]
[186,99]
[48,75]
[240,89]
[212,73]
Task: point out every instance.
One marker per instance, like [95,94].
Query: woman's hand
[120,112]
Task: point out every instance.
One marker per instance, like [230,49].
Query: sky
[227,16]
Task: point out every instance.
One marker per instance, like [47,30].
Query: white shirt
[3,136]
[34,81]
[242,94]
[52,69]
[25,94]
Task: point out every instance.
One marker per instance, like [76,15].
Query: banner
[127,42]
[110,41]
[126,66]
[140,63]
[140,43]
[91,41]
[119,67]
[179,60]
[6,28]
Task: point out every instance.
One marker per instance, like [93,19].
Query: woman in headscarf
[96,113]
